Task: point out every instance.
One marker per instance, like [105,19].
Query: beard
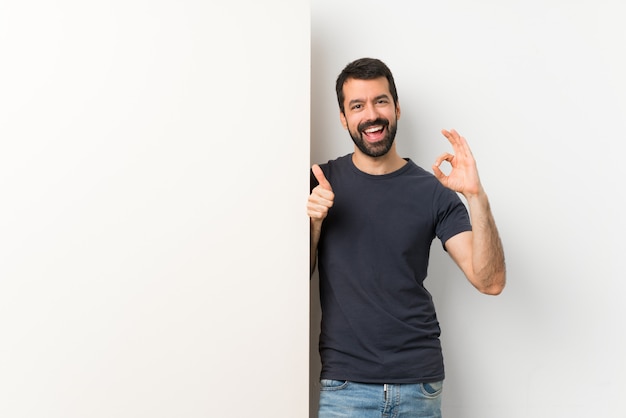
[379,148]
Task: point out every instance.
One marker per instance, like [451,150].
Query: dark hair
[365,69]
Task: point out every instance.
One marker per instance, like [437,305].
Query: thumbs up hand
[321,198]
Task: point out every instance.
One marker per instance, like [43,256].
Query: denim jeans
[343,399]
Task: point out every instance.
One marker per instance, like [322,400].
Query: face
[370,115]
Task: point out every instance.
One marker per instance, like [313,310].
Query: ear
[344,121]
[398,112]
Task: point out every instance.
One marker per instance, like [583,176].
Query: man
[373,218]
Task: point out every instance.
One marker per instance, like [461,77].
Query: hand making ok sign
[463,177]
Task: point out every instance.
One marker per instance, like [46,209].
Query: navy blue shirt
[378,321]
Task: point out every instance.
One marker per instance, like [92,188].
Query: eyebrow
[380,96]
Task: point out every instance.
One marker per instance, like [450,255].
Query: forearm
[488,265]
[316,229]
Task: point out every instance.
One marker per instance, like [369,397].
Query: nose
[371,113]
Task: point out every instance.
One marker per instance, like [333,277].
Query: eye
[356,107]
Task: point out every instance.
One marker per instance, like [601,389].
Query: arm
[320,201]
[316,228]
[478,253]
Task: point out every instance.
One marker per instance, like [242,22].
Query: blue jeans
[343,399]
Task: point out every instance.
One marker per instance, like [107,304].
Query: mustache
[379,121]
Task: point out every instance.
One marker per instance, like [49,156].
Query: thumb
[321,179]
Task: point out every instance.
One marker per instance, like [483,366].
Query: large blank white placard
[153,235]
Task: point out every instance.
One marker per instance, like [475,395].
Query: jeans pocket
[331,384]
[433,389]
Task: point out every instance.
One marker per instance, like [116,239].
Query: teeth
[370,130]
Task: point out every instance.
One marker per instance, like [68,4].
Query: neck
[384,164]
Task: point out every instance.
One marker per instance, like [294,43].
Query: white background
[538,89]
[153,233]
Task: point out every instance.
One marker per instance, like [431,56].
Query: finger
[446,156]
[319,195]
[318,209]
[465,146]
[319,176]
[453,137]
[437,171]
[459,143]
[323,195]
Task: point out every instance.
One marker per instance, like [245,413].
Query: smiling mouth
[374,133]
[374,129]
